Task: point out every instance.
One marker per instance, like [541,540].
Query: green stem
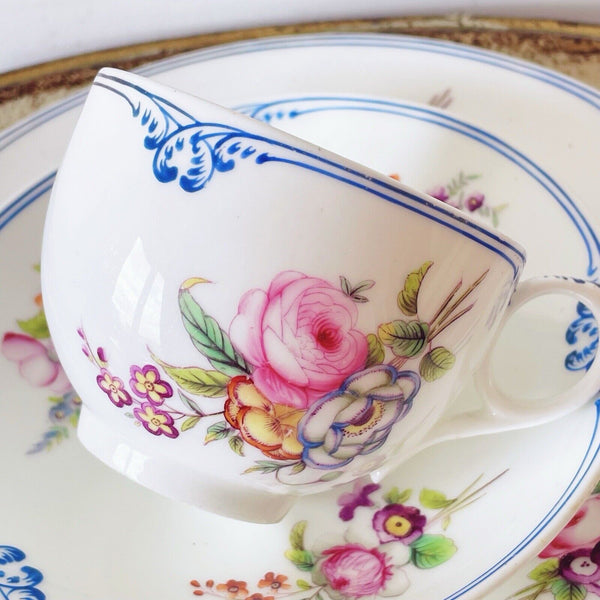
[465,498]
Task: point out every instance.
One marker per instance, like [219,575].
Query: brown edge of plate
[520,37]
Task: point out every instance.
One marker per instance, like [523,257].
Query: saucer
[461,515]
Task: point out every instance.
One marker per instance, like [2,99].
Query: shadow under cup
[248,318]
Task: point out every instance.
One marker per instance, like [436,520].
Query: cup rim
[358,174]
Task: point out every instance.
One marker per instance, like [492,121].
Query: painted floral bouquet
[300,381]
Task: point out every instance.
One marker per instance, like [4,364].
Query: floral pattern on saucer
[460,193]
[32,351]
[18,581]
[571,566]
[301,382]
[385,537]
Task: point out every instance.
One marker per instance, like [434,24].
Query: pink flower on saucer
[353,570]
[37,362]
[582,531]
[301,337]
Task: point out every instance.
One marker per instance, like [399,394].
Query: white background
[34,31]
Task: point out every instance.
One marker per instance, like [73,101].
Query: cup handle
[502,412]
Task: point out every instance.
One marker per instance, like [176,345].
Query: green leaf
[303,585]
[565,590]
[303,559]
[394,496]
[376,353]
[597,488]
[265,466]
[545,571]
[189,423]
[209,338]
[330,476]
[408,297]
[433,499]
[217,431]
[297,535]
[197,381]
[190,404]
[436,363]
[36,327]
[405,338]
[429,551]
[236,443]
[345,285]
[298,468]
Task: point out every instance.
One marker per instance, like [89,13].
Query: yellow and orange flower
[275,582]
[234,588]
[272,428]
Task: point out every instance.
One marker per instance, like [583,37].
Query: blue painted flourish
[583,334]
[18,581]
[186,149]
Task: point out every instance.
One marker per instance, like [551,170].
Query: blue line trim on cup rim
[371,181]
[579,90]
[457,125]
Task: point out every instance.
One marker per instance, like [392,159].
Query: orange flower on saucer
[272,428]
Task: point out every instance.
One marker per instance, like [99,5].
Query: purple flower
[157,422]
[114,388]
[474,201]
[581,566]
[359,496]
[146,383]
[397,522]
[440,193]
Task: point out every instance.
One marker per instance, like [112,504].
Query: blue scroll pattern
[18,581]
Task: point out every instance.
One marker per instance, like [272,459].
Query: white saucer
[92,534]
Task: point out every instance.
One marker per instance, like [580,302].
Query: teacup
[249,318]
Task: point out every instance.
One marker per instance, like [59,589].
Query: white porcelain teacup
[248,317]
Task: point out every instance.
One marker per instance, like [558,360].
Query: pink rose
[37,362]
[582,531]
[300,335]
[354,571]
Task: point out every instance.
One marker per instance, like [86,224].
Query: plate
[460,516]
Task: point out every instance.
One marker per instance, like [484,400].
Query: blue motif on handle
[18,580]
[583,334]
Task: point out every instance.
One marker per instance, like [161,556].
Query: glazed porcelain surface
[442,521]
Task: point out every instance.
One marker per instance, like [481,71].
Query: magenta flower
[582,566]
[396,522]
[114,388]
[146,383]
[582,531]
[157,422]
[354,571]
[474,201]
[37,362]
[359,496]
[301,337]
[440,193]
